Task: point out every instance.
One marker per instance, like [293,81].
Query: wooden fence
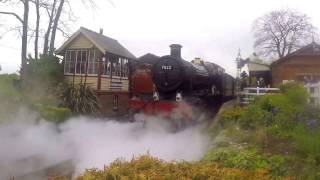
[248,94]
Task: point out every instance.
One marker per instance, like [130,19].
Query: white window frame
[115,102]
[86,63]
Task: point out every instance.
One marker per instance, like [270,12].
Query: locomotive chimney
[176,50]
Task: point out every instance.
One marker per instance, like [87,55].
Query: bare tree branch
[13,14]
[47,34]
[54,27]
[280,32]
[65,34]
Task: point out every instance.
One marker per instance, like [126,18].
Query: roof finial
[239,53]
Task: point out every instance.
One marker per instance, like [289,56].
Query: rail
[248,94]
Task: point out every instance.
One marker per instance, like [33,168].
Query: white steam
[91,143]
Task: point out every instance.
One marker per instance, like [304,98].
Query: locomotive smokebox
[176,50]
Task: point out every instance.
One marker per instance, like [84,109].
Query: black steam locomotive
[173,87]
[178,78]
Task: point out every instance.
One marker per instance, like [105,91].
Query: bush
[54,114]
[7,84]
[247,117]
[80,99]
[249,159]
[146,167]
[284,109]
[279,109]
[279,124]
[253,116]
[307,142]
[43,80]
[10,95]
[296,94]
[231,116]
[47,70]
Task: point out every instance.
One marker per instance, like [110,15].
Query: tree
[55,26]
[36,38]
[282,31]
[49,27]
[24,39]
[55,9]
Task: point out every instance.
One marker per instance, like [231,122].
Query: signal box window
[115,102]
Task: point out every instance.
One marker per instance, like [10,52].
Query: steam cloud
[91,143]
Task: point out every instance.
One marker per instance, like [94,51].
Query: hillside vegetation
[279,133]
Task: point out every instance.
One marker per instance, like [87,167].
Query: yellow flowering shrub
[147,167]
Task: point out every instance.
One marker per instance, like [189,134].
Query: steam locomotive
[169,85]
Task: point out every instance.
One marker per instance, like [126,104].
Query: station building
[302,65]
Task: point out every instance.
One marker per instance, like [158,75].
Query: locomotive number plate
[166,67]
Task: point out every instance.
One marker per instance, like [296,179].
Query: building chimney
[176,50]
[101,31]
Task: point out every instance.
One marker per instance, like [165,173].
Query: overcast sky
[211,29]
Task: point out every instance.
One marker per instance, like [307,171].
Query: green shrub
[146,167]
[54,114]
[80,99]
[10,96]
[231,116]
[308,142]
[253,117]
[47,70]
[296,94]
[43,81]
[311,113]
[7,88]
[284,109]
[249,159]
[247,117]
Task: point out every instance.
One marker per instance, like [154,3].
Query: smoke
[28,145]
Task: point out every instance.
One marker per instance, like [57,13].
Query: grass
[13,97]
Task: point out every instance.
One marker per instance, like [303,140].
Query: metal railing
[248,94]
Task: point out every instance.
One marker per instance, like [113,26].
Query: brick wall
[106,101]
[295,68]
